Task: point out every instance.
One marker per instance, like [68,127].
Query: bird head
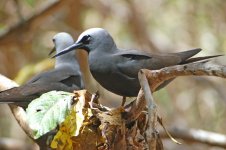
[91,40]
[61,41]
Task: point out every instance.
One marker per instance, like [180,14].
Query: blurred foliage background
[27,28]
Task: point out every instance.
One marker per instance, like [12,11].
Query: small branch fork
[150,80]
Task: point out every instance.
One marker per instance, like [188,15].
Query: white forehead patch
[63,36]
[91,32]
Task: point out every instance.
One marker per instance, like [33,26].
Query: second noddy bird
[66,76]
[116,69]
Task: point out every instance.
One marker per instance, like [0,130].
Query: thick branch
[17,111]
[156,77]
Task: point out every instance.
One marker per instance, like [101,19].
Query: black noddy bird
[65,76]
[116,69]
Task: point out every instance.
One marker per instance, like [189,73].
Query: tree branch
[197,135]
[156,77]
[151,131]
[18,112]
[30,22]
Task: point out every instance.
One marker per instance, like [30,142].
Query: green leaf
[48,111]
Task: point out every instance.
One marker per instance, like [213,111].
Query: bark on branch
[18,112]
[156,77]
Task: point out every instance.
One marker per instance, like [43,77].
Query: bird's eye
[86,39]
[54,40]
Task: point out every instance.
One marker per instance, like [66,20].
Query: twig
[197,135]
[156,77]
[151,132]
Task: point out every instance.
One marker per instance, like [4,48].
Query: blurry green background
[27,28]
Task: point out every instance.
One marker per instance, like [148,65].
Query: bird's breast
[106,71]
[112,80]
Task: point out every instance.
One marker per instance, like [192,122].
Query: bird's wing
[133,61]
[38,77]
[51,75]
[58,75]
[134,54]
[57,79]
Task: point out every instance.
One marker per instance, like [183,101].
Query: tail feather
[16,95]
[195,59]
[28,92]
[189,53]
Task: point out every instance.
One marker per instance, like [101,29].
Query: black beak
[52,51]
[68,49]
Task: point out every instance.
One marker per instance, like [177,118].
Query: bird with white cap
[116,69]
[65,76]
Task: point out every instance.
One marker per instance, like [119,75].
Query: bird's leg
[123,100]
[95,97]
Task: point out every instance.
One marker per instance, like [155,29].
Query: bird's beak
[52,51]
[68,49]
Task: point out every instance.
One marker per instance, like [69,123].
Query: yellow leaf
[62,140]
[73,123]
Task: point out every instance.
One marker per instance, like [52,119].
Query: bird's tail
[186,56]
[195,59]
[13,95]
[189,53]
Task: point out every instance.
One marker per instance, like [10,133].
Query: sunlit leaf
[74,132]
[48,111]
[62,140]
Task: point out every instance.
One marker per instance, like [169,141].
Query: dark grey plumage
[66,76]
[116,69]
